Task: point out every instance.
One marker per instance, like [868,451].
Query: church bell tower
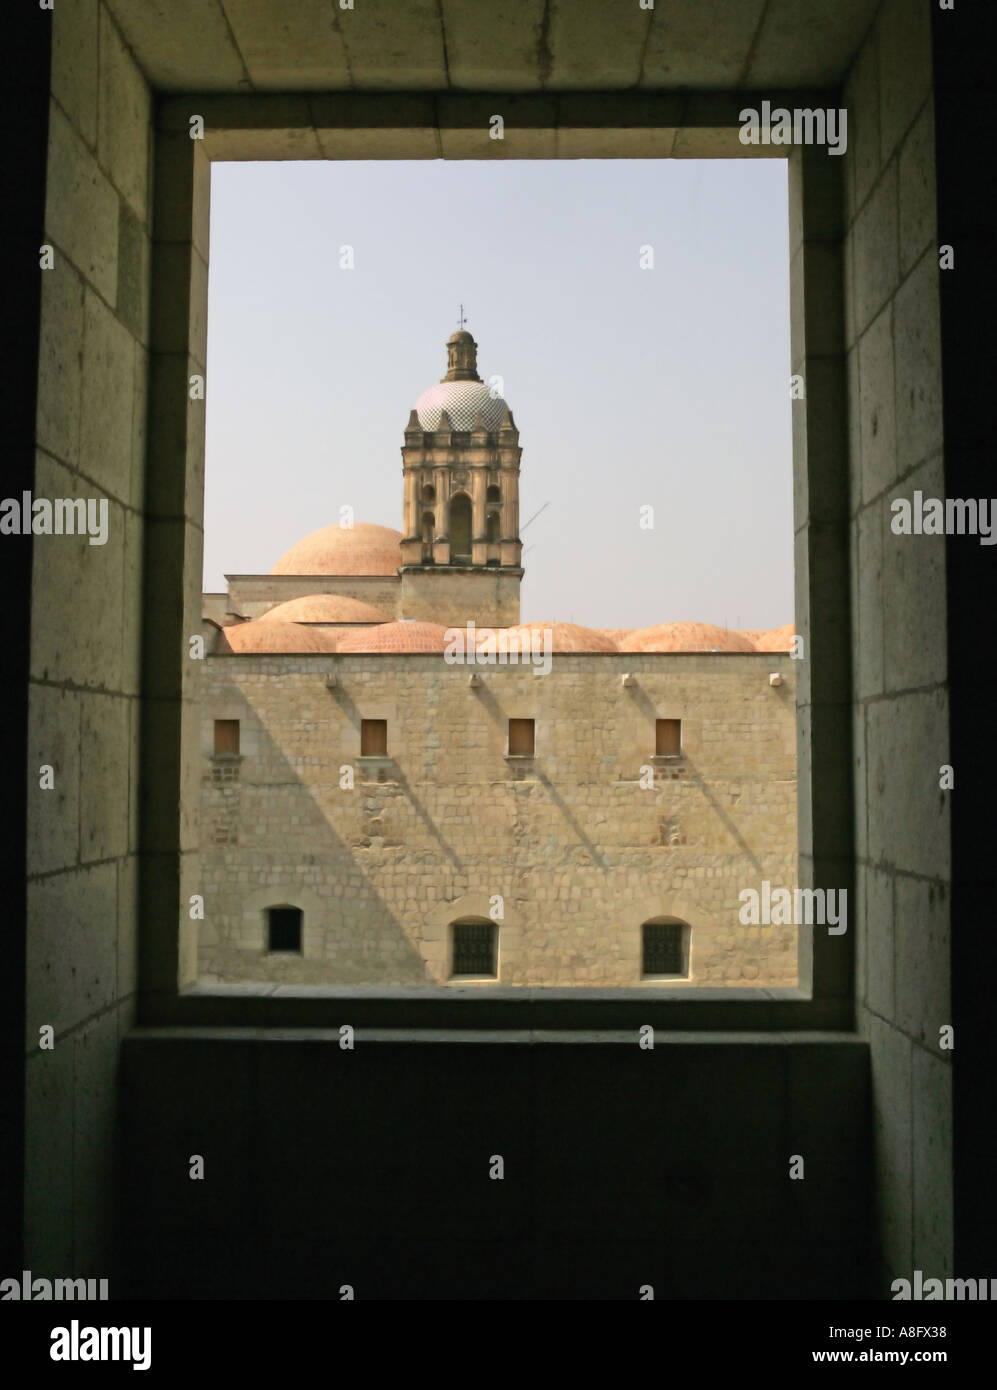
[461,552]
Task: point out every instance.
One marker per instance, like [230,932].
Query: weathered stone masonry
[580,853]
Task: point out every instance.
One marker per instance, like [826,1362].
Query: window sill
[671,1007]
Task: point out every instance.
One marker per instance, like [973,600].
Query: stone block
[877,406]
[788,51]
[133,274]
[124,132]
[868,657]
[917,339]
[306,50]
[918,209]
[823,299]
[908,814]
[53,815]
[81,208]
[107,400]
[60,363]
[825,464]
[484,52]
[611,44]
[862,102]
[876,254]
[180,303]
[914,627]
[75,64]
[77,586]
[104,776]
[923,1003]
[71,947]
[879,941]
[904,44]
[195,51]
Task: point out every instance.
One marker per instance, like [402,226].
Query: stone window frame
[541,126]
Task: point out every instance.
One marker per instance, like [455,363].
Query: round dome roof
[776,639]
[358,549]
[685,637]
[324,608]
[394,637]
[462,400]
[565,637]
[261,637]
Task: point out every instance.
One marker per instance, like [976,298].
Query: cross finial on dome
[461,318]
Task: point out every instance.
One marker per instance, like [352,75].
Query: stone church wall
[580,853]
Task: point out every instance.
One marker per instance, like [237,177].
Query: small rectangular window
[668,738]
[284,929]
[226,738]
[661,949]
[474,950]
[522,739]
[373,738]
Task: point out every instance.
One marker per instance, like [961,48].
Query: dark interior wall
[622,1167]
[965,40]
[24,98]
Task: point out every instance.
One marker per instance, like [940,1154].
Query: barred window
[663,948]
[475,949]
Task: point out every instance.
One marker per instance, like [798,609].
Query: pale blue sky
[667,387]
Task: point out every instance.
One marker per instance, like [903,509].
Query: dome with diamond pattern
[461,394]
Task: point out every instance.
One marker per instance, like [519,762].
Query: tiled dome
[324,608]
[565,637]
[776,639]
[685,637]
[394,637]
[259,636]
[461,400]
[358,549]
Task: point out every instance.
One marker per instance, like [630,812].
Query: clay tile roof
[685,637]
[261,637]
[358,549]
[395,637]
[776,639]
[567,637]
[324,608]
